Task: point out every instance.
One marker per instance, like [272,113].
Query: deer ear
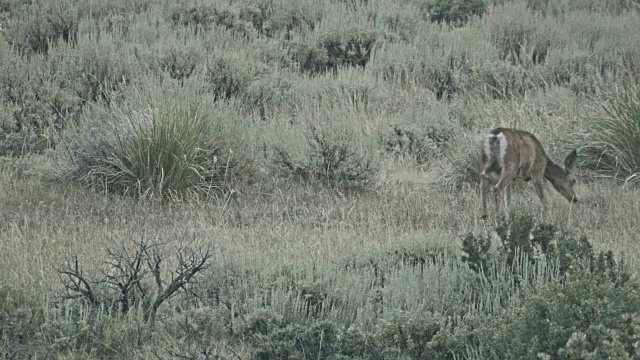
[570,161]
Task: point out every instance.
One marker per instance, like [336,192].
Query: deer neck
[553,172]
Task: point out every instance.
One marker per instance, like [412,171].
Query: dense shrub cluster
[524,244]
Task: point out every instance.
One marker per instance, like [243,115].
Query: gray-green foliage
[332,159]
[611,144]
[34,26]
[171,99]
[455,12]
[156,144]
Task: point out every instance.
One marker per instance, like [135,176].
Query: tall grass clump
[610,145]
[161,141]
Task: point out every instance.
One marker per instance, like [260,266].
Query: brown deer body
[508,155]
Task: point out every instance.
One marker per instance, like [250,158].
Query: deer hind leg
[507,196]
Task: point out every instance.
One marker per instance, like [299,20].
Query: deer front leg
[538,184]
[499,189]
[484,189]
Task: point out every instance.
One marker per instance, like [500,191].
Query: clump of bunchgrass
[160,142]
[610,145]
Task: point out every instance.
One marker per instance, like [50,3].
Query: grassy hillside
[269,179]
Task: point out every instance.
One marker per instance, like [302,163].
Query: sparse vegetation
[324,152]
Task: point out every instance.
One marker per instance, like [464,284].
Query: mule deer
[510,154]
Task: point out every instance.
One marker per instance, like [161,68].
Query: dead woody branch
[128,279]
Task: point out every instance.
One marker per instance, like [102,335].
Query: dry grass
[42,224]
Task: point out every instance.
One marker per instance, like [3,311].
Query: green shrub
[273,339]
[20,319]
[9,6]
[423,144]
[453,12]
[476,249]
[351,47]
[194,15]
[309,58]
[286,341]
[411,334]
[588,314]
[100,9]
[35,26]
[288,18]
[611,145]
[20,92]
[329,160]
[559,8]
[231,73]
[587,305]
[402,20]
[36,105]
[461,165]
[95,69]
[523,243]
[332,49]
[162,142]
[180,59]
[203,17]
[274,91]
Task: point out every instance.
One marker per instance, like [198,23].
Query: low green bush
[586,317]
[35,104]
[230,74]
[97,68]
[35,26]
[423,144]
[203,17]
[559,8]
[271,339]
[453,12]
[351,47]
[21,318]
[308,57]
[330,160]
[333,49]
[524,244]
[180,59]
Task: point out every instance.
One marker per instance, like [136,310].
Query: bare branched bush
[133,280]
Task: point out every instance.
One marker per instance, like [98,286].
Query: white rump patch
[503,149]
[495,148]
